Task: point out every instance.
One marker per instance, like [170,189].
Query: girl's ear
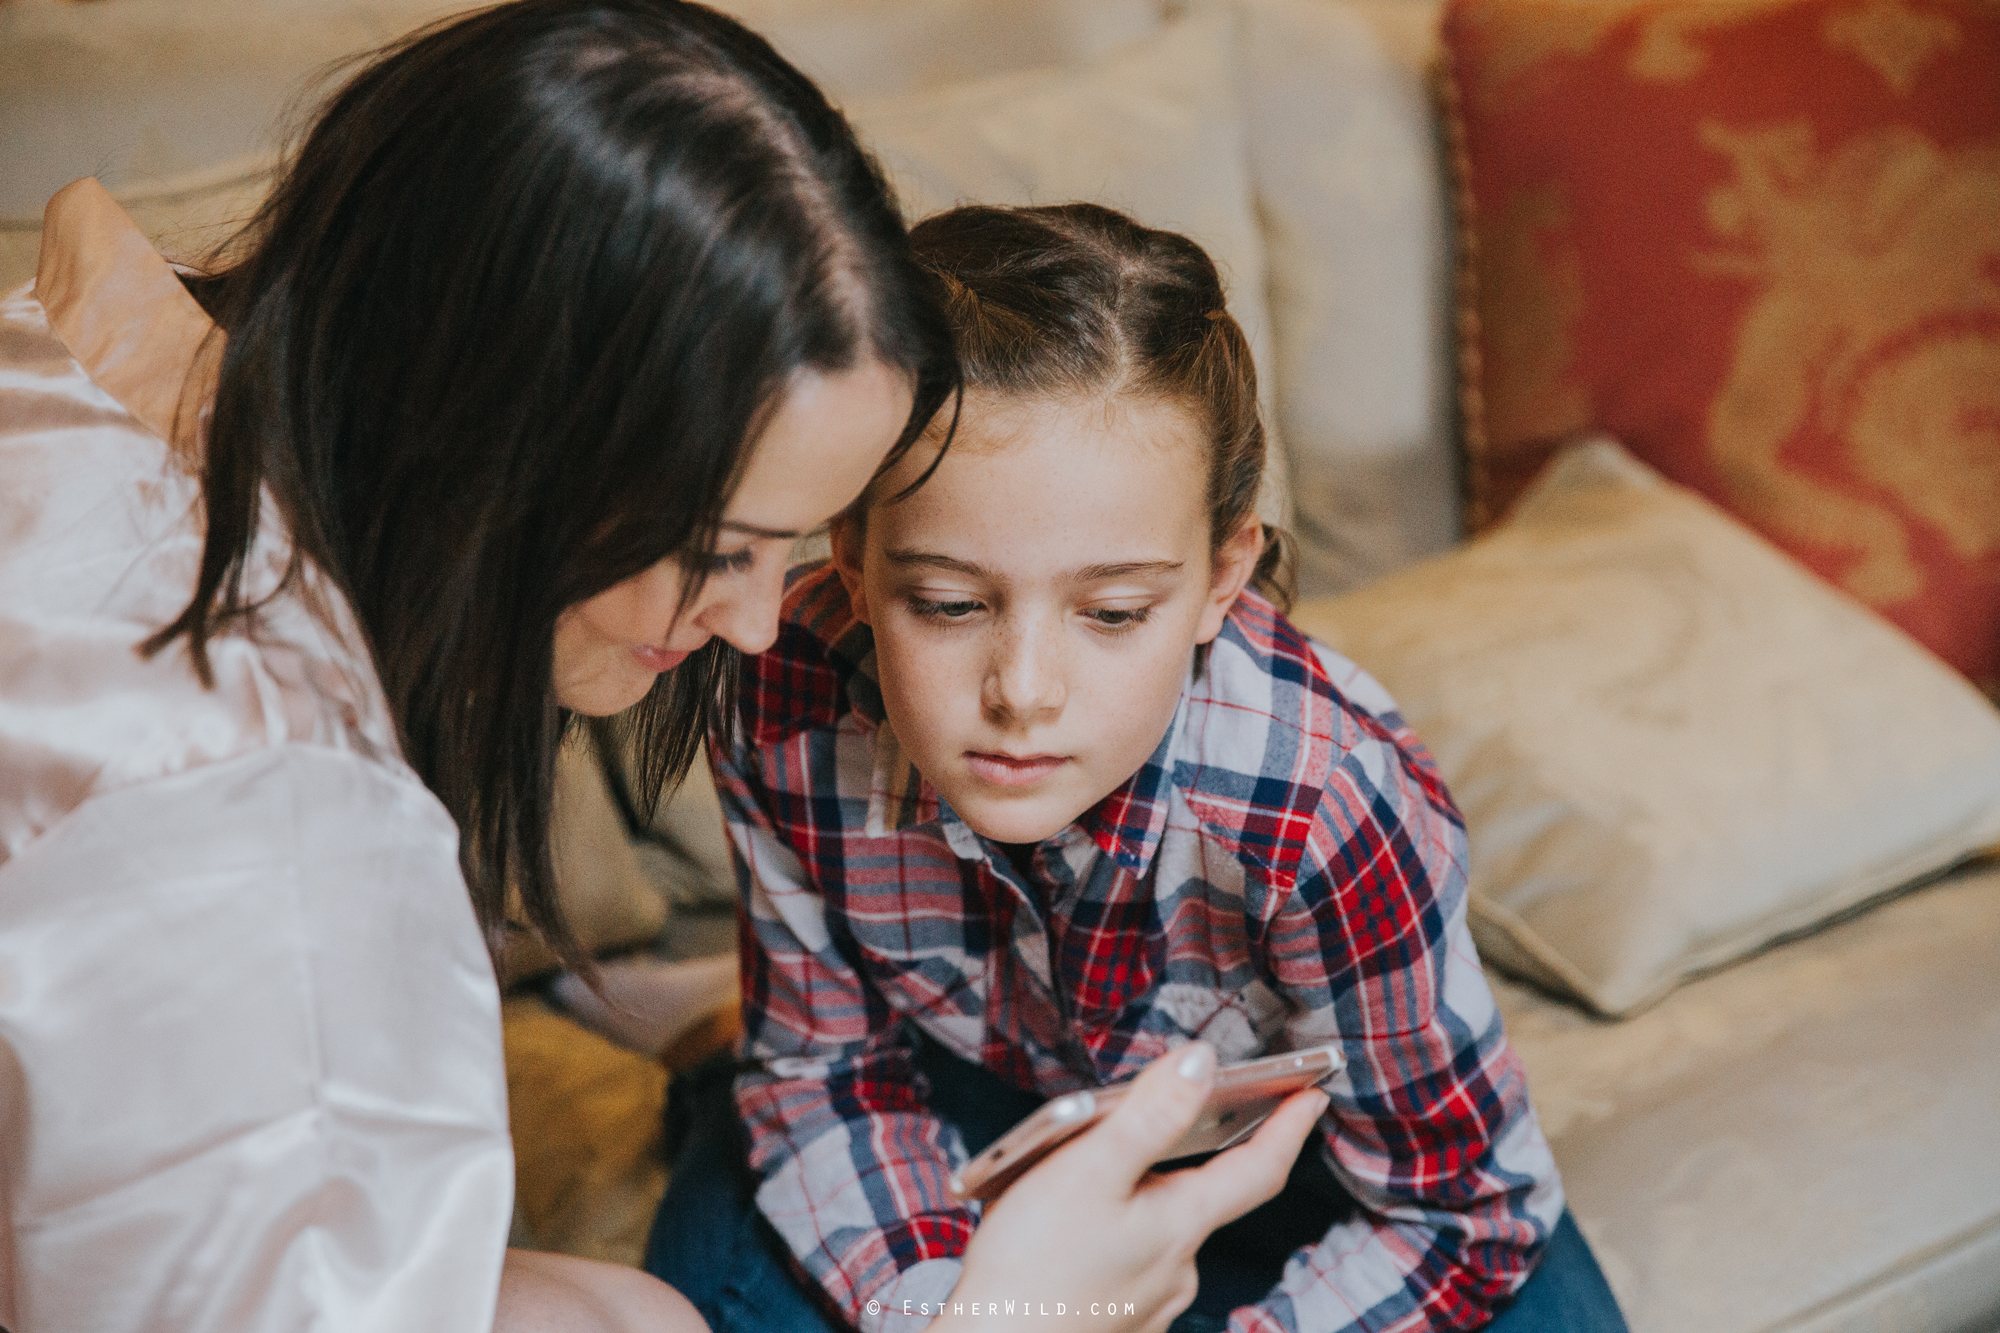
[850,539]
[1234,565]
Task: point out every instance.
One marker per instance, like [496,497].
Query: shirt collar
[123,314]
[1128,823]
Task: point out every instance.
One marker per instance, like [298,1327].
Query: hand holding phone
[1242,1097]
[1095,1219]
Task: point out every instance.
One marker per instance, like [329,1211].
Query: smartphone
[1243,1097]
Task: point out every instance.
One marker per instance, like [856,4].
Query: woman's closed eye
[729,562]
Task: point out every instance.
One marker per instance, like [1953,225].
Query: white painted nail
[1199,1061]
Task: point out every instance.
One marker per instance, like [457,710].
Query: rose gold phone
[1243,1097]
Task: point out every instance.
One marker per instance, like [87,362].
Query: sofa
[1726,818]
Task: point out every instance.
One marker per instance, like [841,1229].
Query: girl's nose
[1025,681]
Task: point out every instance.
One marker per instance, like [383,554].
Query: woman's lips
[659,659]
[1008,770]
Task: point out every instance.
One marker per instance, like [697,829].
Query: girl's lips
[659,659]
[1010,770]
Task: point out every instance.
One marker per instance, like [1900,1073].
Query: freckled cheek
[931,682]
[1130,702]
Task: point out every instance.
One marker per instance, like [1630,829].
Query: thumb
[1233,1182]
[1153,1110]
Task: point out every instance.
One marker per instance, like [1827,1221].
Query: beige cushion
[610,901]
[1809,1142]
[1352,195]
[1672,745]
[688,855]
[1154,130]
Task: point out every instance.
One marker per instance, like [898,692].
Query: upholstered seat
[1809,1140]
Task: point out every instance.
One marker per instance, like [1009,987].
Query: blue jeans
[711,1243]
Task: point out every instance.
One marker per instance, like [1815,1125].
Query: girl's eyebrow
[1088,574]
[1125,569]
[905,556]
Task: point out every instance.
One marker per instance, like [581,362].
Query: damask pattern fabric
[1759,243]
[1286,871]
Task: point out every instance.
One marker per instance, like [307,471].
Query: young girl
[1037,784]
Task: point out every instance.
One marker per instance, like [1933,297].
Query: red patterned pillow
[1758,241]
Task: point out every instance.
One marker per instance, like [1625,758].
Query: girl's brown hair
[1080,299]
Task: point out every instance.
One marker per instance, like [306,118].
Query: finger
[1160,1105]
[1232,1183]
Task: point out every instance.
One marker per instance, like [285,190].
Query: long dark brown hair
[1080,299]
[500,339]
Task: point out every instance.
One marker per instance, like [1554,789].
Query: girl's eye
[1118,617]
[729,562]
[941,610]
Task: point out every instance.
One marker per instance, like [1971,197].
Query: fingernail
[1198,1063]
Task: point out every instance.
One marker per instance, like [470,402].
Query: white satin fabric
[250,1063]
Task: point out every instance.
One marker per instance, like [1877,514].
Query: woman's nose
[744,611]
[1025,681]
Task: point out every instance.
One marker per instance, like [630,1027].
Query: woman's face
[824,441]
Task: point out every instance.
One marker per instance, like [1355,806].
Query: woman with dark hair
[564,321]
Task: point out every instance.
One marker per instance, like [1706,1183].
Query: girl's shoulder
[1264,662]
[1275,721]
[820,669]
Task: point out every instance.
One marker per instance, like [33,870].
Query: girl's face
[825,439]
[1036,603]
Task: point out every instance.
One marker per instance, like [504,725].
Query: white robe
[250,1061]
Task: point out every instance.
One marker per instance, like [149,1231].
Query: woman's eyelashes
[729,562]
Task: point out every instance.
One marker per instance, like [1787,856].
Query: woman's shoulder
[100,542]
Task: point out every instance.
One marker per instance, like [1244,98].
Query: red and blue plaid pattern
[1285,871]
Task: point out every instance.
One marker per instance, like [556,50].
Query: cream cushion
[181,109]
[1154,130]
[1672,745]
[1352,196]
[149,92]
[178,108]
[884,48]
[1807,1143]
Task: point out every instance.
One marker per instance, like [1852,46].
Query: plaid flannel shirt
[1287,870]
